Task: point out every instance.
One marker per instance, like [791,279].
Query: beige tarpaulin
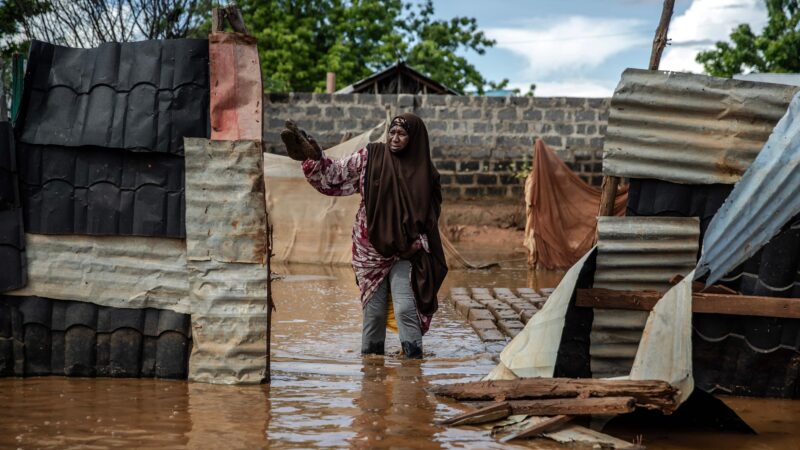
[533,352]
[561,211]
[665,351]
[309,227]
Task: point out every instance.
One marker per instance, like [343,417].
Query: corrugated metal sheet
[226,221]
[12,236]
[123,272]
[687,128]
[635,253]
[89,190]
[644,252]
[142,96]
[40,336]
[226,216]
[763,201]
[236,92]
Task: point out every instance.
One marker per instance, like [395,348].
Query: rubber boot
[411,350]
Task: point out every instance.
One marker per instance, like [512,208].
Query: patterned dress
[346,177]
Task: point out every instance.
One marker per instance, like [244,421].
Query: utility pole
[610,184]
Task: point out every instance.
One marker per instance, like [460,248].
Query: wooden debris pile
[499,313]
[561,399]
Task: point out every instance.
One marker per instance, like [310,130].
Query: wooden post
[234,16]
[330,85]
[660,40]
[217,20]
[610,184]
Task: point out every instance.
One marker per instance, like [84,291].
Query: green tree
[776,49]
[300,40]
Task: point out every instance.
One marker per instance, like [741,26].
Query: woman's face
[398,138]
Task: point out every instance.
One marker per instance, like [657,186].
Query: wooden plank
[702,303]
[491,413]
[653,394]
[573,406]
[537,428]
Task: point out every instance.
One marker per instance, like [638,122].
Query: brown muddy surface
[323,394]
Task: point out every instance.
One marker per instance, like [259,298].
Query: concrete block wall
[481,145]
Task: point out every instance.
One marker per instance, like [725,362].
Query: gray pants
[405,312]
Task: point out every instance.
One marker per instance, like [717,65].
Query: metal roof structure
[686,128]
[635,253]
[761,203]
[399,78]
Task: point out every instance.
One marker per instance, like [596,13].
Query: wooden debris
[491,413]
[651,394]
[550,424]
[573,406]
[740,305]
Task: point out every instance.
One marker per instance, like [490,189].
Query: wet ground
[323,394]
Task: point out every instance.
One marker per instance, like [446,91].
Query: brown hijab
[403,199]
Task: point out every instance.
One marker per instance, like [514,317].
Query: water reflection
[394,406]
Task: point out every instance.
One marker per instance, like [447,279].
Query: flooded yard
[323,393]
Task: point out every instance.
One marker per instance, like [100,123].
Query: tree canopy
[776,49]
[300,40]
[88,23]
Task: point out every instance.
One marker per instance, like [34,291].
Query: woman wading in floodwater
[397,251]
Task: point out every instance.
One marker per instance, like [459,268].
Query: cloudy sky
[580,47]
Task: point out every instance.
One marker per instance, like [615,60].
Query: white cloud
[704,23]
[568,88]
[571,43]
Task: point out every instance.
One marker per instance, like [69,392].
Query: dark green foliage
[300,40]
[776,49]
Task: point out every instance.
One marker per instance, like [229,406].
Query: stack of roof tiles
[99,151]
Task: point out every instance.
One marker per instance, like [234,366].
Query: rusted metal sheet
[123,272]
[236,92]
[227,272]
[635,253]
[763,201]
[226,218]
[687,128]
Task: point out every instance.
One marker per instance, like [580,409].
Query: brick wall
[480,144]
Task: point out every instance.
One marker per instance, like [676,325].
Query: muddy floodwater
[323,393]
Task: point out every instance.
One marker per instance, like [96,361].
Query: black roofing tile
[142,96]
[112,319]
[57,343]
[126,351]
[149,356]
[40,349]
[172,321]
[89,190]
[80,343]
[37,349]
[9,198]
[6,357]
[172,355]
[58,321]
[151,317]
[12,236]
[103,354]
[36,310]
[5,320]
[81,313]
